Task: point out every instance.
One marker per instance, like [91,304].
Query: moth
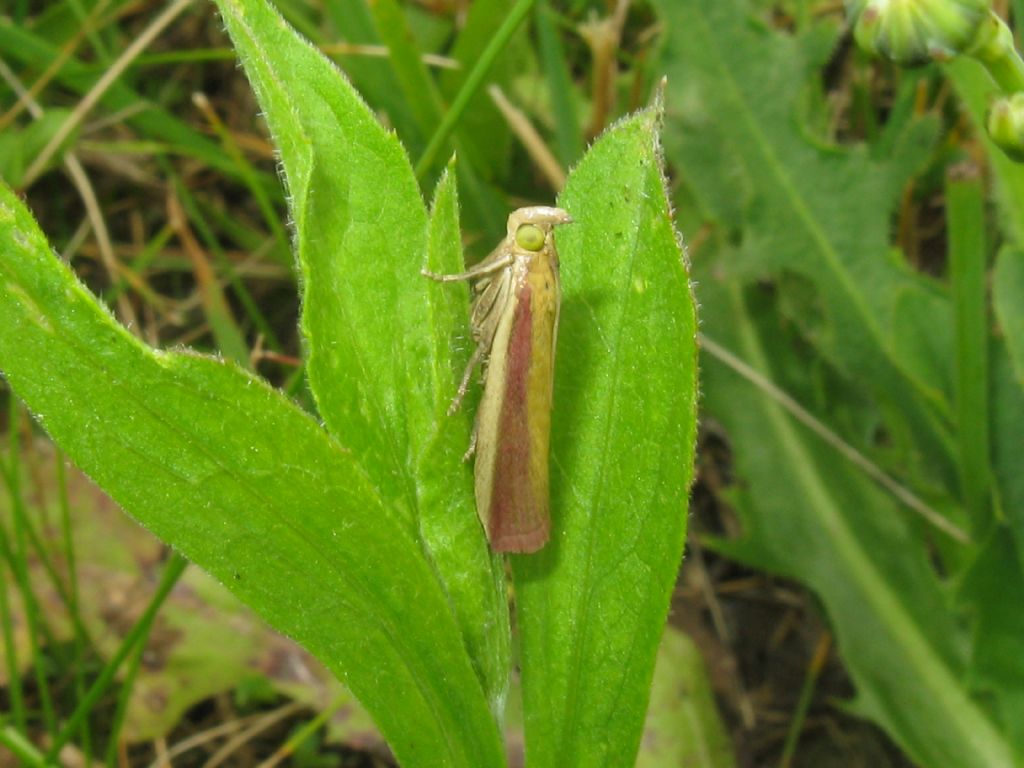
[514,322]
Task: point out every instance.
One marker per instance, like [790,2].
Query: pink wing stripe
[516,520]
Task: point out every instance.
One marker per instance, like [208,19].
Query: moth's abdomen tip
[520,542]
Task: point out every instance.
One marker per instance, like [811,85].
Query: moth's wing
[489,306]
[490,292]
[514,418]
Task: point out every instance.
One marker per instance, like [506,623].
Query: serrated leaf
[592,604]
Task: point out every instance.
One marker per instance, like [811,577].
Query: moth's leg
[491,293]
[477,356]
[472,446]
[485,267]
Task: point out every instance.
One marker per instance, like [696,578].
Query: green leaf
[362,237]
[976,89]
[811,516]
[968,261]
[683,726]
[20,146]
[474,576]
[1008,296]
[737,99]
[592,604]
[249,487]
[482,131]
[358,240]
[786,202]
[374,77]
[1006,427]
[418,90]
[994,584]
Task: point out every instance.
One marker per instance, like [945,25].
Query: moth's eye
[530,237]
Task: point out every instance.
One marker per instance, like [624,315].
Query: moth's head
[531,228]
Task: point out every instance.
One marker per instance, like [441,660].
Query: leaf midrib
[975,729]
[784,181]
[595,533]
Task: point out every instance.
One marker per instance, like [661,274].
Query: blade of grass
[81,639]
[271,216]
[15,696]
[227,269]
[568,136]
[124,696]
[307,731]
[482,140]
[87,28]
[18,44]
[417,86]
[804,702]
[23,749]
[473,83]
[427,107]
[137,635]
[156,27]
[15,550]
[226,332]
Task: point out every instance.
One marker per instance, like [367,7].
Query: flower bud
[1006,125]
[911,32]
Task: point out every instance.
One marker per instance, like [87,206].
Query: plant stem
[967,263]
[472,84]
